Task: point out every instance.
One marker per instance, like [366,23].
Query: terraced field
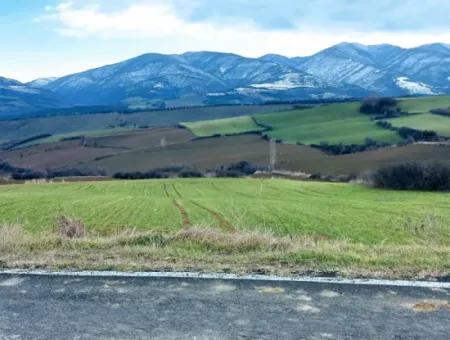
[334,123]
[150,148]
[141,139]
[54,155]
[331,211]
[90,133]
[425,121]
[142,151]
[222,127]
[77,152]
[21,129]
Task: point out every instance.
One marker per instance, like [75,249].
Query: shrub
[141,175]
[6,167]
[384,124]
[417,135]
[242,168]
[190,174]
[238,169]
[411,135]
[74,173]
[29,174]
[443,111]
[385,105]
[20,173]
[70,227]
[165,172]
[343,149]
[412,176]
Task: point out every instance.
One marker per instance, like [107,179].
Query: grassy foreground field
[228,224]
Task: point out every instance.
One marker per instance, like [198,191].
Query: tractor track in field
[176,191]
[224,224]
[186,222]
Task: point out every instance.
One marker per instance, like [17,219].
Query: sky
[44,38]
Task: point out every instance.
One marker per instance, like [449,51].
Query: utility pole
[162,143]
[273,154]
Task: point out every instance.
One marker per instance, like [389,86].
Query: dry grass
[202,249]
[11,236]
[70,227]
[234,241]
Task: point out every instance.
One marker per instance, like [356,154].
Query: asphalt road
[45,307]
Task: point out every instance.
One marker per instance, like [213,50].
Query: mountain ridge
[200,78]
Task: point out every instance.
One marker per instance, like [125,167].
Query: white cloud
[163,30]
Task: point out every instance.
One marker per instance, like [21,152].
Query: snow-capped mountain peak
[41,82]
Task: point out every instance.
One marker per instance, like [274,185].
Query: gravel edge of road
[226,276]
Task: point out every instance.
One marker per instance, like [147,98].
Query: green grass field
[334,123]
[424,104]
[227,126]
[239,225]
[425,121]
[336,211]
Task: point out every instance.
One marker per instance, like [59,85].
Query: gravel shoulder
[112,307]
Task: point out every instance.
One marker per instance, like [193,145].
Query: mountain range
[197,78]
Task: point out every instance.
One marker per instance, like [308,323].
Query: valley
[242,169]
[208,144]
[232,164]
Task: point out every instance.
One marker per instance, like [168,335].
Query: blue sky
[40,38]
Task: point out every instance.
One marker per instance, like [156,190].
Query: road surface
[64,307]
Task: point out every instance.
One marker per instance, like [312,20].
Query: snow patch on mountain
[24,89]
[414,87]
[287,82]
[216,94]
[158,86]
[328,95]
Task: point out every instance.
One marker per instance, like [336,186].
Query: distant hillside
[16,97]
